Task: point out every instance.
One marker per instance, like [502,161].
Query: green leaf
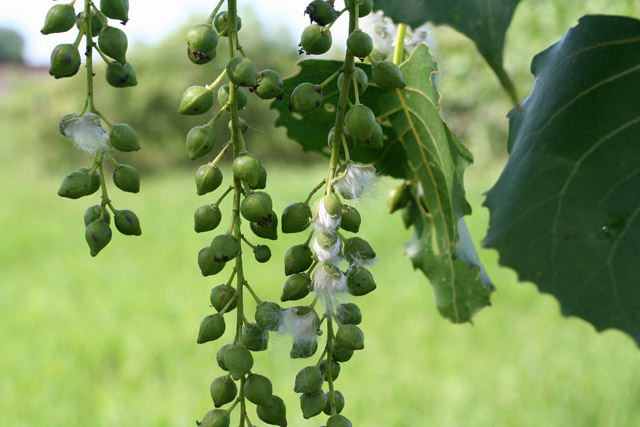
[484,22]
[565,214]
[418,147]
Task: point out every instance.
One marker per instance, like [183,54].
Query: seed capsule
[225,247]
[60,18]
[97,24]
[306,98]
[276,414]
[238,361]
[364,8]
[315,40]
[349,314]
[376,140]
[339,399]
[313,403]
[358,250]
[242,71]
[246,167]
[359,281]
[269,316]
[296,287]
[387,76]
[350,337]
[340,354]
[360,121]
[308,380]
[126,178]
[75,185]
[221,25]
[65,61]
[215,418]
[262,180]
[123,138]
[255,337]
[95,179]
[350,219]
[335,369]
[220,356]
[93,213]
[201,140]
[223,390]
[267,228]
[115,9]
[398,198]
[113,43]
[351,141]
[303,349]
[338,421]
[321,12]
[361,79]
[97,235]
[258,390]
[223,97]
[269,85]
[196,100]
[208,178]
[295,218]
[211,328]
[220,297]
[297,259]
[206,218]
[202,41]
[255,207]
[127,223]
[207,263]
[262,253]
[359,44]
[120,75]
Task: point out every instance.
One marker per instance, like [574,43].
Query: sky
[149,20]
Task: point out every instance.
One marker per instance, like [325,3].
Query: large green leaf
[565,214]
[418,147]
[485,22]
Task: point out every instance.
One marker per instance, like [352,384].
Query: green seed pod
[127,223]
[315,40]
[60,18]
[306,98]
[351,141]
[242,71]
[361,79]
[258,390]
[126,178]
[276,414]
[350,219]
[211,328]
[387,76]
[297,259]
[208,178]
[93,214]
[269,85]
[225,247]
[246,167]
[254,337]
[96,23]
[202,41]
[360,121]
[365,7]
[350,337]
[332,205]
[207,263]
[65,61]
[215,418]
[398,198]
[267,228]
[201,140]
[221,295]
[376,140]
[359,44]
[296,287]
[308,380]
[269,316]
[335,369]
[326,240]
[262,180]
[339,399]
[223,390]
[196,100]
[313,403]
[115,9]
[295,218]
[321,12]
[262,253]
[220,356]
[360,281]
[221,26]
[206,218]
[303,349]
[97,235]
[340,354]
[75,185]
[223,97]
[349,314]
[255,207]
[338,420]
[120,75]
[95,179]
[65,121]
[113,43]
[123,138]
[238,361]
[357,249]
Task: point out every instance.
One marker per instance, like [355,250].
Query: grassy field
[110,341]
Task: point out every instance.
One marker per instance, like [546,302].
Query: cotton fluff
[86,131]
[323,221]
[329,283]
[329,255]
[354,179]
[301,328]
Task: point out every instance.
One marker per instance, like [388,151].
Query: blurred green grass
[110,340]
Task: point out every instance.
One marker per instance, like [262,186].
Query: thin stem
[248,242]
[346,149]
[227,191]
[227,305]
[328,27]
[215,161]
[233,274]
[330,78]
[86,26]
[253,294]
[224,108]
[356,91]
[398,52]
[313,303]
[215,12]
[233,405]
[105,196]
[217,81]
[243,406]
[314,191]
[329,365]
